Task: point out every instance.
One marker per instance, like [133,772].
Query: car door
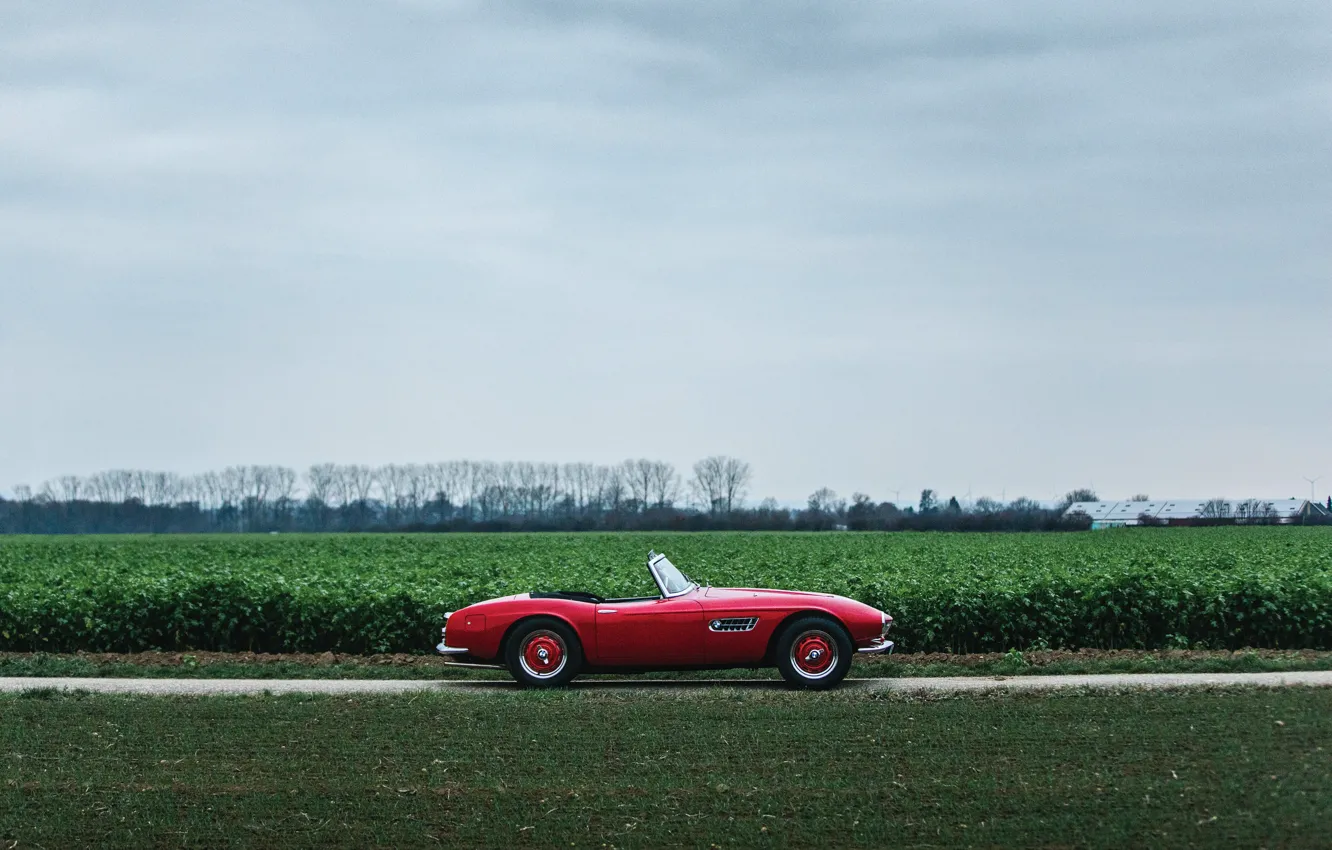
[650,632]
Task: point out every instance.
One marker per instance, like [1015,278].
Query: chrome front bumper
[442,647]
[878,645]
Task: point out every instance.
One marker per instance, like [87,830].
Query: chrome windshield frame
[653,560]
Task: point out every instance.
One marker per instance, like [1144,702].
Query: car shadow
[620,684]
[636,684]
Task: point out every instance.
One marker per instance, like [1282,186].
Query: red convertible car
[545,639]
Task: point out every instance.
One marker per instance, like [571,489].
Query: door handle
[606,611]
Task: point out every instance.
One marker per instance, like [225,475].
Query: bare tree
[68,488]
[415,489]
[319,483]
[483,480]
[611,488]
[119,484]
[547,491]
[707,485]
[1255,511]
[189,493]
[736,475]
[719,483]
[1215,509]
[1082,494]
[432,493]
[580,483]
[637,478]
[986,505]
[508,488]
[209,487]
[159,488]
[282,490]
[389,480]
[360,481]
[454,486]
[525,488]
[99,488]
[143,485]
[664,484]
[231,484]
[823,500]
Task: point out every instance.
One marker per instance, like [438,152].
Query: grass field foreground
[226,665]
[1219,588]
[726,767]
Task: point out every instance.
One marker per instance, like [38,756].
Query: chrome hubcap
[814,654]
[543,654]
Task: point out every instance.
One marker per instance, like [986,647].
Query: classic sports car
[545,639]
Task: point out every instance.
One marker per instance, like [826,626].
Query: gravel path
[207,687]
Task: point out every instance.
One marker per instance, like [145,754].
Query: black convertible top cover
[572,595]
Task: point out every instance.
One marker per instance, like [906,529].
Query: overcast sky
[1005,248]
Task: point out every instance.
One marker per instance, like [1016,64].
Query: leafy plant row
[1148,589]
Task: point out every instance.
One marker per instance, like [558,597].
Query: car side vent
[733,624]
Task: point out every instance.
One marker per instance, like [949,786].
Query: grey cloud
[863,245]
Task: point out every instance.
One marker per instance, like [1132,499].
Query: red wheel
[814,652]
[543,654]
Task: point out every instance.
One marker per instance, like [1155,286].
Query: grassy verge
[329,666]
[720,768]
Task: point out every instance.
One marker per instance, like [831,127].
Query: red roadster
[545,639]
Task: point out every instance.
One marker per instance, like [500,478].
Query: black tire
[563,657]
[814,638]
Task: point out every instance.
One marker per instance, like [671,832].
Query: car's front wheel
[543,653]
[814,653]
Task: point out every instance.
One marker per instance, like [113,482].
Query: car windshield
[671,581]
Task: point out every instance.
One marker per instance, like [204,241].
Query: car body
[545,639]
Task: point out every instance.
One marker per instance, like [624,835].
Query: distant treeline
[480,496]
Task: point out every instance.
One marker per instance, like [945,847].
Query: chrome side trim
[733,624]
[878,645]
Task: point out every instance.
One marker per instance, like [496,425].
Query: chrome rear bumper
[450,650]
[878,645]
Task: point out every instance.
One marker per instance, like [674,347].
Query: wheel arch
[769,655]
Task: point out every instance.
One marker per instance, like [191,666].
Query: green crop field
[1144,588]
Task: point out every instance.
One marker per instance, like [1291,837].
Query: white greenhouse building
[1197,511]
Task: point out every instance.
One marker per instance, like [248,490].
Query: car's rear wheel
[814,653]
[543,653]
